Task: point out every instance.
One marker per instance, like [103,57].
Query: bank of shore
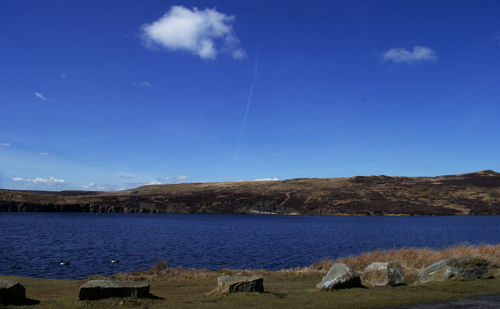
[288,288]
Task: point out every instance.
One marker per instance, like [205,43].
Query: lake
[32,244]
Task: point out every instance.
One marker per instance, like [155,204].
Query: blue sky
[105,95]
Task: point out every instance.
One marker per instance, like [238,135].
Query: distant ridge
[462,194]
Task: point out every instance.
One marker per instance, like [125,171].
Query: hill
[465,194]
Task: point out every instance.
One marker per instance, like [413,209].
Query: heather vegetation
[465,194]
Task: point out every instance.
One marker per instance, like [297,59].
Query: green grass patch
[283,290]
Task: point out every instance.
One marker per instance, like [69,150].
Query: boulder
[340,276]
[461,268]
[383,274]
[96,289]
[11,292]
[231,284]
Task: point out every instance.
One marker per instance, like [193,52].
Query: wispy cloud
[44,153]
[267,179]
[43,181]
[101,187]
[205,33]
[159,181]
[5,144]
[41,96]
[143,84]
[176,179]
[131,185]
[89,186]
[418,54]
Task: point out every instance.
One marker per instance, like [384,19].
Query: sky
[110,95]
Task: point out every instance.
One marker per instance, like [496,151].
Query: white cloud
[143,84]
[94,186]
[41,96]
[6,144]
[267,179]
[239,54]
[177,179]
[182,177]
[131,185]
[89,186]
[418,54]
[205,33]
[44,153]
[38,180]
[158,181]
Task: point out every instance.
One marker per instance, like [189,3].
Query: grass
[283,290]
[414,259]
[291,288]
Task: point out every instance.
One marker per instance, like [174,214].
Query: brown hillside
[473,193]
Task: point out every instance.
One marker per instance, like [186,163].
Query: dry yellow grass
[413,259]
[282,290]
[161,272]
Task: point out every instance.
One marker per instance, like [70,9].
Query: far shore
[260,213]
[463,194]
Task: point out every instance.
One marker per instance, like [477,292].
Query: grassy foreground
[191,288]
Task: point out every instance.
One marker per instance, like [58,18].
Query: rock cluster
[377,274]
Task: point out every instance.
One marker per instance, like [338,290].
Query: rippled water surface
[32,244]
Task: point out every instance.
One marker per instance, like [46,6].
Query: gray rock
[231,284]
[462,268]
[383,274]
[11,292]
[340,276]
[96,289]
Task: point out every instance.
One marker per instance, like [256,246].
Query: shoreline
[410,258]
[285,288]
[255,213]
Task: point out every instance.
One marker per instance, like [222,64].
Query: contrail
[256,66]
[249,101]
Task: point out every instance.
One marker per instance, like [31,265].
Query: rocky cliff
[464,194]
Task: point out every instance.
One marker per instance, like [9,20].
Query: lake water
[32,244]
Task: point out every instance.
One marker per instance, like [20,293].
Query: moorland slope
[464,194]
